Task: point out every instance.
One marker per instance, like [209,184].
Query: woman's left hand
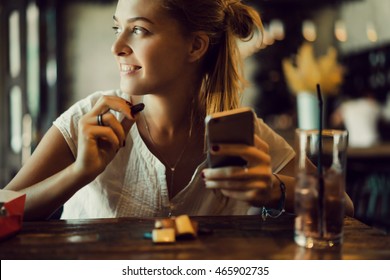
[251,183]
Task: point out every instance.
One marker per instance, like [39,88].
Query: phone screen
[229,127]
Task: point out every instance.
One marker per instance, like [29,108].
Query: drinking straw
[319,165]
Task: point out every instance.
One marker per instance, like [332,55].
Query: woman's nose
[120,47]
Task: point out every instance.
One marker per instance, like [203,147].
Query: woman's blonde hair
[224,21]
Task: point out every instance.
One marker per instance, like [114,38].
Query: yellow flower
[310,71]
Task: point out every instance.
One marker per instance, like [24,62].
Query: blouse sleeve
[280,151]
[67,122]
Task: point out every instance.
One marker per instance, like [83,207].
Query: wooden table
[231,237]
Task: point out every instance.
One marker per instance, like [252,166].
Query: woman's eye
[117,30]
[139,30]
[136,30]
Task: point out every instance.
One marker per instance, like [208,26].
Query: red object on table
[11,212]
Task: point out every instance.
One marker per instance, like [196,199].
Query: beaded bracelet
[276,213]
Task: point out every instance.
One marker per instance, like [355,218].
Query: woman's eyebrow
[134,19]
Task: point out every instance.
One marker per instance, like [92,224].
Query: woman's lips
[129,69]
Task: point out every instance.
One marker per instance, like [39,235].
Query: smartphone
[229,127]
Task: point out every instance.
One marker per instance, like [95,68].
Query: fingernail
[215,148]
[137,108]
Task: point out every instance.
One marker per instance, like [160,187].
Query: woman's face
[151,52]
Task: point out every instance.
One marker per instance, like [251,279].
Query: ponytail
[224,21]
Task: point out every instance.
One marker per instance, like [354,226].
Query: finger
[251,195]
[106,103]
[110,121]
[243,185]
[251,154]
[102,133]
[127,123]
[237,173]
[136,109]
[121,129]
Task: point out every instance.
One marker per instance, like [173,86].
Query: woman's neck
[173,131]
[169,116]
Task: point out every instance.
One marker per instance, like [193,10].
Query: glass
[319,192]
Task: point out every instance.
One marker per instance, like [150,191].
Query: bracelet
[276,213]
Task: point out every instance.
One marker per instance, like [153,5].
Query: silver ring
[100,120]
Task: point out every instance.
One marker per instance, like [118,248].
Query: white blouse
[134,183]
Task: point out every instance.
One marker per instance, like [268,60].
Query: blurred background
[53,53]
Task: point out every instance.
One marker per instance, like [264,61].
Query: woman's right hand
[98,144]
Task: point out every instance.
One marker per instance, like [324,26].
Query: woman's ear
[199,45]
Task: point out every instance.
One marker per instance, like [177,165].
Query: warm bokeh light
[372,35]
[309,30]
[340,31]
[276,29]
[268,40]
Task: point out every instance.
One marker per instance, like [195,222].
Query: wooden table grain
[230,237]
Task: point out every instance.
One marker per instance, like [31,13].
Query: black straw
[319,164]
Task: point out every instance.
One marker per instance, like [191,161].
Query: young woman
[106,157]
